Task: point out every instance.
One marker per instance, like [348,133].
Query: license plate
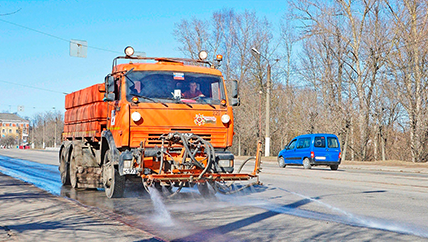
[130,171]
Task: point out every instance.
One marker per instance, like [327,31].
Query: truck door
[118,120]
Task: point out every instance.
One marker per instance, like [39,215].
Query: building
[12,124]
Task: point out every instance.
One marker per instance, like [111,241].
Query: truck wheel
[206,191]
[114,183]
[334,167]
[73,170]
[281,162]
[64,168]
[306,163]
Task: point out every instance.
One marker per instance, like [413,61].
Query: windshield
[169,86]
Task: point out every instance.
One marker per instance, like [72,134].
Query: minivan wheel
[306,163]
[334,167]
[281,162]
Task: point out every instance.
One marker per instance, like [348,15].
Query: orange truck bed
[86,113]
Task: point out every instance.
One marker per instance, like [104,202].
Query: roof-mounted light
[203,55]
[129,51]
[219,58]
[135,99]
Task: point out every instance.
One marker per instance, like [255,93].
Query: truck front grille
[154,139]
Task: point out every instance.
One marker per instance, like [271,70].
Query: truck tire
[114,183]
[73,168]
[64,168]
[306,163]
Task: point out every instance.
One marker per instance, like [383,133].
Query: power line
[4,14]
[33,87]
[54,36]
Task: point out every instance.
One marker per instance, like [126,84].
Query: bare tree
[47,129]
[8,141]
[360,73]
[408,68]
[193,35]
[233,35]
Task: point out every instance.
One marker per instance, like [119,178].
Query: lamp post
[43,136]
[268,86]
[56,120]
[260,114]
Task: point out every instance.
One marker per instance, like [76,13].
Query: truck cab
[150,99]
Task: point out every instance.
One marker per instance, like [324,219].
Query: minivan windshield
[170,86]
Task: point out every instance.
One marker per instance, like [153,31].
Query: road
[293,204]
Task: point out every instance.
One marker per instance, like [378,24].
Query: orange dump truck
[165,122]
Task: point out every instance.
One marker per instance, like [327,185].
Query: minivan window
[332,142]
[292,145]
[303,143]
[319,141]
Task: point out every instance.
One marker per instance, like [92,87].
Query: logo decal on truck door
[200,119]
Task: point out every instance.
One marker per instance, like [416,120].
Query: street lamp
[43,136]
[56,120]
[268,86]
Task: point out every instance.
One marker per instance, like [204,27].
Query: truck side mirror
[109,87]
[236,101]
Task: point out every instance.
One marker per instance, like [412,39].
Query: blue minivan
[311,150]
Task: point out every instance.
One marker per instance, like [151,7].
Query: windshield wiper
[205,101]
[179,101]
[126,73]
[150,99]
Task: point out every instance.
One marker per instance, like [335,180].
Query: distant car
[312,150]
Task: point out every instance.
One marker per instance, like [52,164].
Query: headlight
[127,164]
[225,119]
[129,51]
[136,116]
[225,163]
[203,55]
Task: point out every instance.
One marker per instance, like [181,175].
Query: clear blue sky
[31,59]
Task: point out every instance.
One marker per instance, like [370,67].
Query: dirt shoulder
[388,165]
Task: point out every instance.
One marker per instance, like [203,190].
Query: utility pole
[268,87]
[267,138]
[55,131]
[43,136]
[260,114]
[32,136]
[56,121]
